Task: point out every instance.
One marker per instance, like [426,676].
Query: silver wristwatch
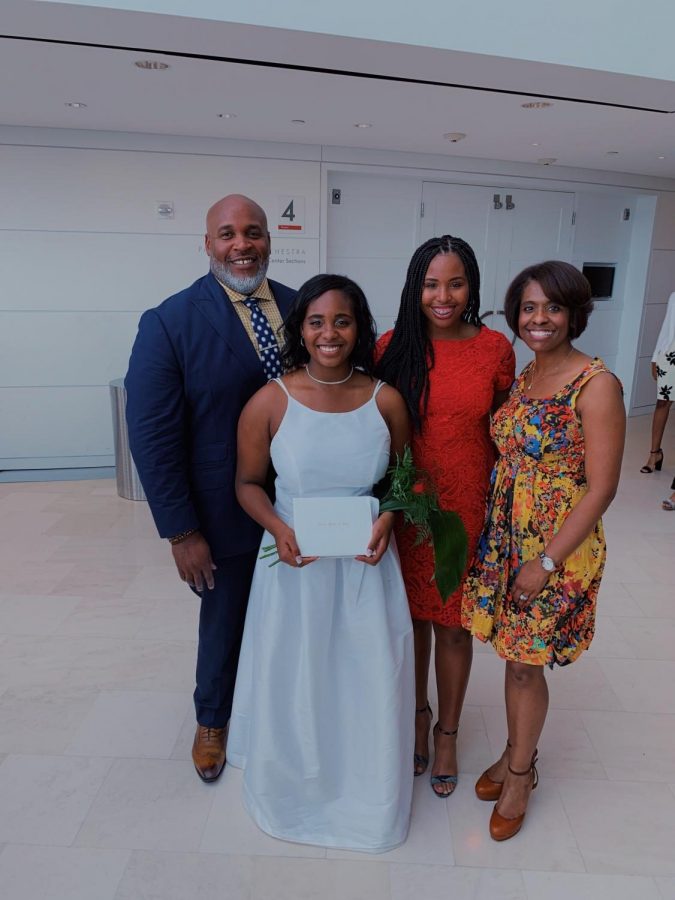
[547,564]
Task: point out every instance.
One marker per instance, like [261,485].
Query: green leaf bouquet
[411,491]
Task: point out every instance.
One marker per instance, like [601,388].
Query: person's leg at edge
[659,419]
[526,694]
[422,641]
[453,658]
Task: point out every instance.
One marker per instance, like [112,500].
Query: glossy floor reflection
[99,800]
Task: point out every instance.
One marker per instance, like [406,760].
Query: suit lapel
[216,307]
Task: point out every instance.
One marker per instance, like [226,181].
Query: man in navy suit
[197,359]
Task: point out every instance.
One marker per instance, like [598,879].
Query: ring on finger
[522,596]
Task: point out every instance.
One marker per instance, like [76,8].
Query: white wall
[660,285]
[602,236]
[371,235]
[82,253]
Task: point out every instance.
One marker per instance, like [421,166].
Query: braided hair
[409,357]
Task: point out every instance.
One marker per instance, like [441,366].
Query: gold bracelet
[178,538]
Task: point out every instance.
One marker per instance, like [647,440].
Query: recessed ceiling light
[454,136]
[535,144]
[536,104]
[547,160]
[75,104]
[297,121]
[660,157]
[154,64]
[227,115]
[612,153]
[363,125]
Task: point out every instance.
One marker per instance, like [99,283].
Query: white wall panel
[98,271]
[381,280]
[376,217]
[371,235]
[651,325]
[95,271]
[80,240]
[293,260]
[664,223]
[67,189]
[43,424]
[63,348]
[601,234]
[644,391]
[83,251]
[661,283]
[602,333]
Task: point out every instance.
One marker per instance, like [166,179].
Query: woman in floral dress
[533,587]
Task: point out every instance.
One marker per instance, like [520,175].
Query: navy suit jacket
[192,370]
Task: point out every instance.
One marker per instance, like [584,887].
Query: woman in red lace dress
[453,372]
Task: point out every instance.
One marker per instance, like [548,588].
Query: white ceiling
[43,75]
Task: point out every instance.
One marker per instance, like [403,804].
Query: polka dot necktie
[267,343]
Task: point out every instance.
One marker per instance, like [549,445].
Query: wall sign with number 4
[291,214]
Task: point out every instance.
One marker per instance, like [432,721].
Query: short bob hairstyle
[293,352]
[562,283]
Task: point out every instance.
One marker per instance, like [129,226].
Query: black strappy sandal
[647,470]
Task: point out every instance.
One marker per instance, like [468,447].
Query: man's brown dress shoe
[208,752]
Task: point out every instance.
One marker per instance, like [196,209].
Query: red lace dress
[456,449]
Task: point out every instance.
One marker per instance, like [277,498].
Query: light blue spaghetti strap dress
[323,716]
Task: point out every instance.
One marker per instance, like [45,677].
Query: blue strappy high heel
[443,779]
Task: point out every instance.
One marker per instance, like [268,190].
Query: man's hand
[193,561]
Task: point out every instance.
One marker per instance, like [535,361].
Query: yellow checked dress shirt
[267,304]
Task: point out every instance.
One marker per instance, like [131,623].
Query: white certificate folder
[334,526]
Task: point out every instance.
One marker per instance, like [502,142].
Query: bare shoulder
[388,398]
[601,393]
[264,401]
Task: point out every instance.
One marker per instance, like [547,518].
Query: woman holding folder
[323,707]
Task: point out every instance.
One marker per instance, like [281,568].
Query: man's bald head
[238,242]
[232,203]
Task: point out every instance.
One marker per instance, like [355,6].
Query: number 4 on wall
[291,214]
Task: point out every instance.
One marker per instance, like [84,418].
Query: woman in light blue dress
[321,723]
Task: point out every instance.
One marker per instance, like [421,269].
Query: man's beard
[242,284]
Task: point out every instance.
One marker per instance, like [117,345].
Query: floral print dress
[665,374]
[538,478]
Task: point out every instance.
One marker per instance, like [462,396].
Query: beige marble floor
[99,801]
